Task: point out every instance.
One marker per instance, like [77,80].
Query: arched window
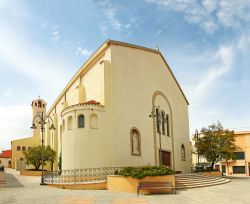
[81,121]
[163,122]
[70,123]
[167,123]
[18,148]
[183,153]
[135,140]
[29,148]
[23,148]
[93,121]
[39,104]
[63,125]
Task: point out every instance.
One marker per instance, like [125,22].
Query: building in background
[102,115]
[19,146]
[240,166]
[5,158]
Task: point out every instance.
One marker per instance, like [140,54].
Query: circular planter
[117,183]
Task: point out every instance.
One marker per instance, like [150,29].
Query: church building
[124,107]
[20,146]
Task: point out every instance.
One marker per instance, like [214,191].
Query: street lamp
[160,120]
[42,121]
[196,135]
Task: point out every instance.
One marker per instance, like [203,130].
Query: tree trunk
[227,168]
[212,165]
[51,166]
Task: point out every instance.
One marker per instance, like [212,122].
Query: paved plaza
[26,189]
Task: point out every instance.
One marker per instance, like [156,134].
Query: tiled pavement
[24,189]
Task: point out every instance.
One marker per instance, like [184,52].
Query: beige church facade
[102,115]
[20,146]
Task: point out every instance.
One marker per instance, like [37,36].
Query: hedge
[141,172]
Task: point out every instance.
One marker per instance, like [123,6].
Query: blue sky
[206,43]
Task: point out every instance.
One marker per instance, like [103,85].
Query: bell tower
[38,106]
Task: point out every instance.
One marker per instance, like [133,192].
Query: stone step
[198,182]
[194,176]
[209,177]
[201,185]
[195,180]
[184,181]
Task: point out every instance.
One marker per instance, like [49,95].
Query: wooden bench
[155,185]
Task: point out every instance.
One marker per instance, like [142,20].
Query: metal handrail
[74,176]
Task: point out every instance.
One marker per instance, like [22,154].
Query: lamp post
[196,134]
[42,121]
[160,119]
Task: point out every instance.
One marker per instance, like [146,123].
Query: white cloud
[83,52]
[8,93]
[44,25]
[111,12]
[217,85]
[158,32]
[210,5]
[29,60]
[210,14]
[244,42]
[103,27]
[15,7]
[223,58]
[55,36]
[220,64]
[15,121]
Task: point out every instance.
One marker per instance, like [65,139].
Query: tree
[216,143]
[34,156]
[50,155]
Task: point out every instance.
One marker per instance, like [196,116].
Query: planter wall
[211,173]
[91,186]
[30,173]
[117,183]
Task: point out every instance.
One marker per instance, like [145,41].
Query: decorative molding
[159,93]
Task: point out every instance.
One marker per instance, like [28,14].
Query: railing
[74,176]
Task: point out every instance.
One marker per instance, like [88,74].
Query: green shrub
[141,172]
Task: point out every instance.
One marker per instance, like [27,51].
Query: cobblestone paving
[25,189]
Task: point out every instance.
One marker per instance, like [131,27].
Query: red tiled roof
[6,154]
[92,102]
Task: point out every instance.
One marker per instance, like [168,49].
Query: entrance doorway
[166,158]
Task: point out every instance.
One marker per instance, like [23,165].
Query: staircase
[184,181]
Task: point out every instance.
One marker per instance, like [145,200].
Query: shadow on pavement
[11,182]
